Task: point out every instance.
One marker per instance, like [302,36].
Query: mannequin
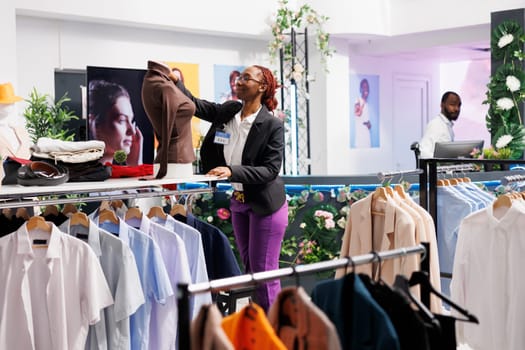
[170,113]
[14,138]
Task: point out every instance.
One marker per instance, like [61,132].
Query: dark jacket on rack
[263,188]
[220,260]
[361,323]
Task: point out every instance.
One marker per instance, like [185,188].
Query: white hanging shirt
[488,279]
[119,266]
[51,294]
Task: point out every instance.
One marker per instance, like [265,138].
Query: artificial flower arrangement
[316,220]
[506,90]
[285,20]
[500,151]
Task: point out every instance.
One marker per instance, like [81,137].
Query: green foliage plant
[47,119]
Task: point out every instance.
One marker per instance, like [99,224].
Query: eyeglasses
[246,78]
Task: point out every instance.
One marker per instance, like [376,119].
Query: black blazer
[262,156]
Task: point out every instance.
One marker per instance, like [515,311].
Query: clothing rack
[428,178]
[382,176]
[505,180]
[14,196]
[456,167]
[184,290]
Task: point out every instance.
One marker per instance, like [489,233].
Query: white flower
[505,40]
[505,103]
[298,68]
[297,76]
[513,83]
[503,141]
[302,225]
[209,219]
[341,223]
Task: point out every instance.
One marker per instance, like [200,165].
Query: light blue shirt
[164,318]
[193,242]
[120,269]
[452,209]
[154,278]
[486,196]
[477,201]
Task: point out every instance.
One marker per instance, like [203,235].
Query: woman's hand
[220,171]
[173,77]
[135,153]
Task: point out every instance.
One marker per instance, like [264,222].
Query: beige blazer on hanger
[391,230]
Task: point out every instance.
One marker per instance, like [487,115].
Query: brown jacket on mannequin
[170,113]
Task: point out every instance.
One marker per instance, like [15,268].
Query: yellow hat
[7,94]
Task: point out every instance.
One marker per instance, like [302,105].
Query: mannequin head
[7,102]
[7,111]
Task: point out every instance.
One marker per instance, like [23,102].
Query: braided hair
[268,98]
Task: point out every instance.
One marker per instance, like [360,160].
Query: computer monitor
[457,149]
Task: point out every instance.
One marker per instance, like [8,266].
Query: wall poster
[116,115]
[224,77]
[364,111]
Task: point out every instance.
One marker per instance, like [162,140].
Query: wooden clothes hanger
[51,210]
[117,203]
[503,201]
[107,215]
[38,222]
[79,218]
[69,209]
[178,209]
[454,181]
[400,191]
[105,205]
[22,213]
[157,211]
[133,212]
[380,193]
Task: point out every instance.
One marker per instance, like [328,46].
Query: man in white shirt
[439,129]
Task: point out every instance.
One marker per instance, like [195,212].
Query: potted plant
[47,119]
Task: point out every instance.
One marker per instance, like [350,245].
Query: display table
[14,196]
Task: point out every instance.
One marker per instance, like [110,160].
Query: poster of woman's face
[116,115]
[225,77]
[364,111]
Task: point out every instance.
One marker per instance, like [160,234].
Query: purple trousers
[259,241]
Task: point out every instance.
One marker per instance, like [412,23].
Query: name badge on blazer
[221,138]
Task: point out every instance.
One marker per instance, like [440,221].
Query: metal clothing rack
[383,175]
[428,178]
[505,180]
[15,196]
[184,291]
[455,167]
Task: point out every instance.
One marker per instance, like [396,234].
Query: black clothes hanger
[421,278]
[401,283]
